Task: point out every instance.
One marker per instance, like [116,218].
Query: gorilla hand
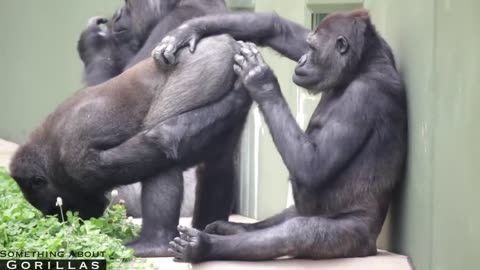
[184,35]
[257,76]
[93,39]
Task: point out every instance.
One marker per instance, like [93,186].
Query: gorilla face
[111,40]
[42,194]
[38,192]
[334,53]
[28,169]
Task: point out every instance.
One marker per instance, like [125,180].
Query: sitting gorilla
[148,124]
[343,167]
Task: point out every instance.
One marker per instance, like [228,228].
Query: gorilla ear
[341,45]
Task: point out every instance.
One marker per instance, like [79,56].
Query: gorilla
[148,124]
[344,167]
[107,46]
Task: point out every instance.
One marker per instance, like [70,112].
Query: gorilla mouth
[305,80]
[119,31]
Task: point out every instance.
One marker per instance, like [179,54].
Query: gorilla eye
[37,183]
[342,45]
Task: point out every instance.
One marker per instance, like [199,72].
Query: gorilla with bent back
[147,125]
[343,167]
[107,47]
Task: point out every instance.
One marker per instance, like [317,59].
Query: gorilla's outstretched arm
[265,29]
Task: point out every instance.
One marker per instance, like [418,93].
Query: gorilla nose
[97,20]
[302,60]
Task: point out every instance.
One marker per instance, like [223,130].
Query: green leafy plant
[23,228]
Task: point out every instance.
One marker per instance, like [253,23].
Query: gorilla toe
[191,246]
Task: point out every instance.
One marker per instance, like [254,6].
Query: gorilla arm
[284,36]
[329,142]
[180,140]
[172,20]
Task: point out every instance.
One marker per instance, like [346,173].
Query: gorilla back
[62,156]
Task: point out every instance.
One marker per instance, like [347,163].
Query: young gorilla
[145,23]
[107,46]
[344,167]
[148,124]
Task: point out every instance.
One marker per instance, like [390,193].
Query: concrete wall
[436,220]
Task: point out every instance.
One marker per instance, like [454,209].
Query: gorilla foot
[191,246]
[225,228]
[149,248]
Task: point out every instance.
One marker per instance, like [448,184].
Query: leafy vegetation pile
[23,228]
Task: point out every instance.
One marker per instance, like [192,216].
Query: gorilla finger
[158,52]
[184,232]
[253,47]
[178,259]
[185,237]
[238,70]
[248,54]
[175,253]
[179,241]
[242,43]
[259,58]
[161,47]
[240,60]
[176,246]
[170,57]
[182,228]
[192,44]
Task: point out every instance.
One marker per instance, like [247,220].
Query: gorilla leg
[300,237]
[216,184]
[229,228]
[161,200]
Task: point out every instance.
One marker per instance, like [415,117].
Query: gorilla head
[336,49]
[33,170]
[112,42]
[107,46]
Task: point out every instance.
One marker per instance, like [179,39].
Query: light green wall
[39,66]
[265,179]
[437,221]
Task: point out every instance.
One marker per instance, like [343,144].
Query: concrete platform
[382,261]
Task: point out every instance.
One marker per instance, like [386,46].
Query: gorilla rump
[344,167]
[107,47]
[148,124]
